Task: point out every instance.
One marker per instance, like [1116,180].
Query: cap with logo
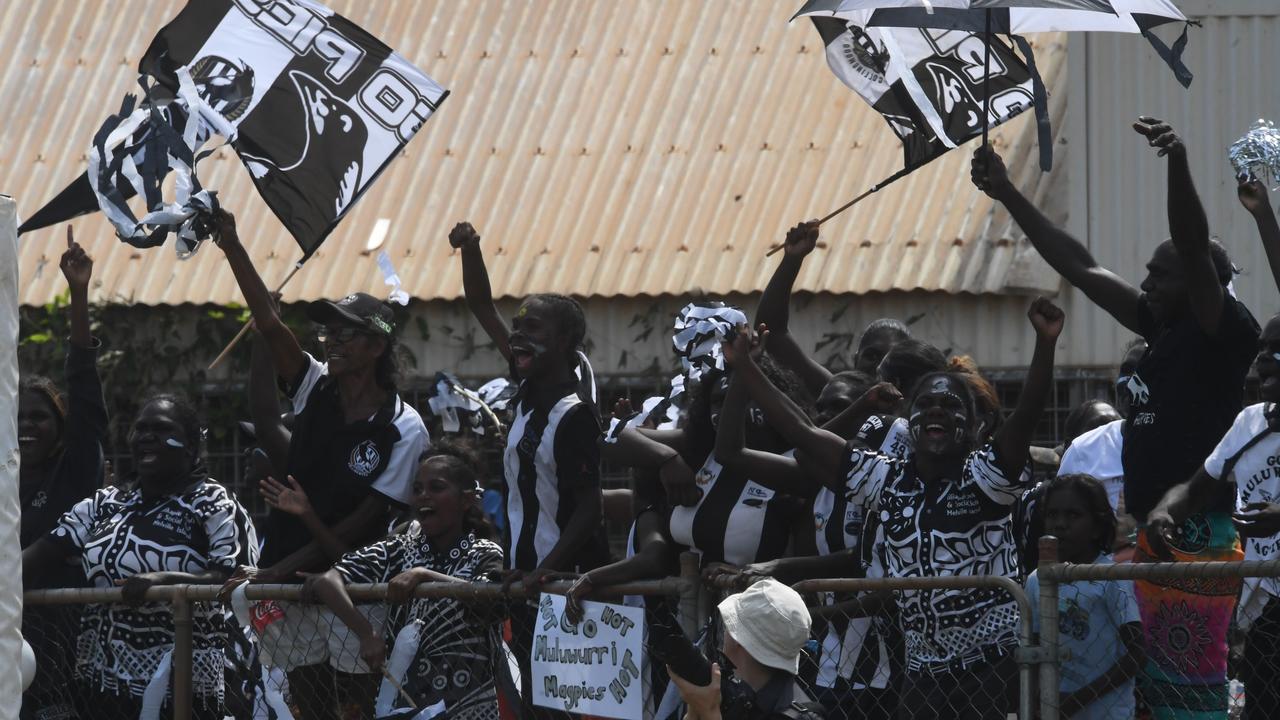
[359,309]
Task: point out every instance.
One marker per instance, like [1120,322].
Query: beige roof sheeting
[602,148]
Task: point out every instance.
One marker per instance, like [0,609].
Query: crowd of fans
[769,466]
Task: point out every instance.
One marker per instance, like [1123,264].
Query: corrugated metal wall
[1120,207]
[628,335]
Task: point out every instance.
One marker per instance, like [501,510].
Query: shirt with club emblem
[339,464]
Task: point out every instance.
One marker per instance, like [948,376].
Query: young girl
[453,661]
[1098,620]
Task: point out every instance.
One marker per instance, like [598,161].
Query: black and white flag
[318,105]
[926,83]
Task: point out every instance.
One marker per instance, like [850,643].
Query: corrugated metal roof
[602,149]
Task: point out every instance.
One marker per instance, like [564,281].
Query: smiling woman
[352,453]
[168,524]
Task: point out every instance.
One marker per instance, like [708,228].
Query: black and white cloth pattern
[928,85]
[453,661]
[318,104]
[736,519]
[960,526]
[552,455]
[121,533]
[699,330]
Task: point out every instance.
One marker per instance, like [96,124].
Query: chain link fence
[1083,648]
[859,664]
[267,655]
[1158,639]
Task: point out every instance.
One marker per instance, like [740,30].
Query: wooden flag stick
[391,679]
[245,330]
[879,186]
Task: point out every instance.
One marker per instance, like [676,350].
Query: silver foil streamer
[1257,154]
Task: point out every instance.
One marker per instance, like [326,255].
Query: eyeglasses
[339,335]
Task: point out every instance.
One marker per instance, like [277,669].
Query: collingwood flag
[927,84]
[319,106]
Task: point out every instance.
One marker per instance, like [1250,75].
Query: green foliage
[150,349]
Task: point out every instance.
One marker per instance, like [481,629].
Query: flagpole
[245,330]
[986,77]
[878,187]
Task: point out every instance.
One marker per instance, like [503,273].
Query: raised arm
[1188,225]
[823,450]
[86,422]
[1064,253]
[286,355]
[77,267]
[775,308]
[1013,439]
[475,284]
[264,407]
[774,471]
[1254,197]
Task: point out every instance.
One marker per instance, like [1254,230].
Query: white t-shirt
[1097,453]
[1257,478]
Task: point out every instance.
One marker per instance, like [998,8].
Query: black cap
[359,309]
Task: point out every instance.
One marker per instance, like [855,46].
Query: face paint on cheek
[914,426]
[538,350]
[174,443]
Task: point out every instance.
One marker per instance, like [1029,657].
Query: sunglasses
[340,335]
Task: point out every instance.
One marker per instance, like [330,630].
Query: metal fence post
[1049,665]
[689,611]
[182,654]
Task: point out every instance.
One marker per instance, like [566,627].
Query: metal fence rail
[1039,660]
[181,599]
[1054,575]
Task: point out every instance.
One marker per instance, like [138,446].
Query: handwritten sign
[593,668]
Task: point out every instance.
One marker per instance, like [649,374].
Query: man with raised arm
[1187,388]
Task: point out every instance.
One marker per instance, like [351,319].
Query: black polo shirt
[340,464]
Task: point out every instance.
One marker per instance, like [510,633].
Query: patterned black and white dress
[454,661]
[960,526]
[119,533]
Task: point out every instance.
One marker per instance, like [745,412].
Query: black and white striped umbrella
[1013,17]
[1007,16]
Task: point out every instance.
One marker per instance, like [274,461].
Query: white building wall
[1118,188]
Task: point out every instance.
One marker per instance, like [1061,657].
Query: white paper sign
[593,668]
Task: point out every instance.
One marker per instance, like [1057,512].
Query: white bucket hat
[769,620]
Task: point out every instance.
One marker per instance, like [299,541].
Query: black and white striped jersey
[736,520]
[552,459]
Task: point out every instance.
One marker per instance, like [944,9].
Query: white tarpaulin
[10,562]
